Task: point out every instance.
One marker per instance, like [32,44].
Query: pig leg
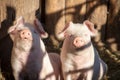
[16,68]
[65,69]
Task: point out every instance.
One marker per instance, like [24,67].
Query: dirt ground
[113,62]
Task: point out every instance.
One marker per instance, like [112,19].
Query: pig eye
[70,35]
[19,30]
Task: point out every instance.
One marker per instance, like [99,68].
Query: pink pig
[30,60]
[80,60]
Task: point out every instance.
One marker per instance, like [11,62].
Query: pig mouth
[25,38]
[24,41]
[23,44]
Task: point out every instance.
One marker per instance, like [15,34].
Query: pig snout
[78,42]
[25,34]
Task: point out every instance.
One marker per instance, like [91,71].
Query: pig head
[30,60]
[80,60]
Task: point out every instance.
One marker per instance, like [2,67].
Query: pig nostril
[81,40]
[23,33]
[29,34]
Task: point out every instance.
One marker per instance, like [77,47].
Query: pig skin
[30,60]
[80,60]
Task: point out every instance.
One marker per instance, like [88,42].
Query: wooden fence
[103,13]
[54,14]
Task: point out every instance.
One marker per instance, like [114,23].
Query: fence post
[113,28]
[97,13]
[54,19]
[10,10]
[75,10]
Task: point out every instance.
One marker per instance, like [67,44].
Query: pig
[30,60]
[79,58]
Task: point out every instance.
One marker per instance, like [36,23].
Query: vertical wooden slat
[2,17]
[75,10]
[4,21]
[113,28]
[97,13]
[2,11]
[54,18]
[26,8]
[10,10]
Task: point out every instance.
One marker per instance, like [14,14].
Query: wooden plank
[4,21]
[2,10]
[97,13]
[10,10]
[113,28]
[54,18]
[25,8]
[75,10]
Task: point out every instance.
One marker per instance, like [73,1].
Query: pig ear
[40,29]
[63,33]
[11,32]
[12,29]
[20,21]
[90,26]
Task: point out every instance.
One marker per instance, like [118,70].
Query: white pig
[80,60]
[30,60]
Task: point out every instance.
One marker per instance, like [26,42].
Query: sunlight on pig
[80,60]
[30,60]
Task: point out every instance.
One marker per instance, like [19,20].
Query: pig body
[30,60]
[80,60]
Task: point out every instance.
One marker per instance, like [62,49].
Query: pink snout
[78,42]
[26,34]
